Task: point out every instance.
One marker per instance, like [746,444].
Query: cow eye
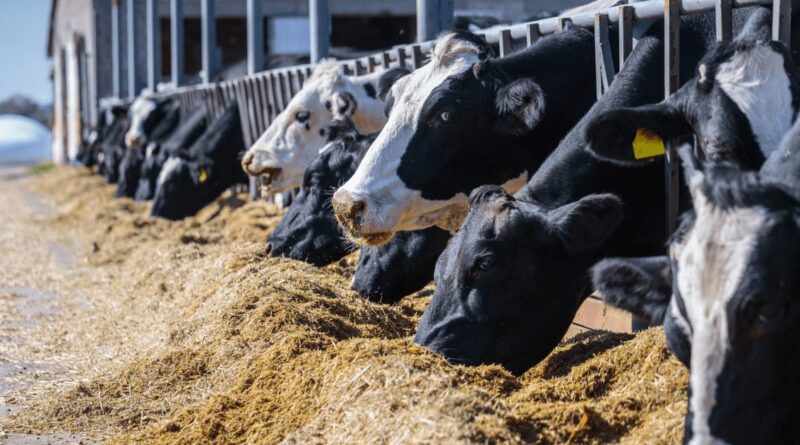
[302,116]
[483,264]
[446,116]
[762,317]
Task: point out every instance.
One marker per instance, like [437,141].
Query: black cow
[511,280]
[729,298]
[193,178]
[462,121]
[152,121]
[187,132]
[308,231]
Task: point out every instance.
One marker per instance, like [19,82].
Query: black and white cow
[112,145]
[152,121]
[308,231]
[280,156]
[195,177]
[462,121]
[110,132]
[509,283]
[186,133]
[729,298]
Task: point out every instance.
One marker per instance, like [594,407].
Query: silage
[262,350]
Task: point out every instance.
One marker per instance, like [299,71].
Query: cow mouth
[266,178]
[355,234]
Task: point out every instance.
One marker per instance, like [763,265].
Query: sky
[24,66]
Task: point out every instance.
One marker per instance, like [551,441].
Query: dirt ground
[116,327]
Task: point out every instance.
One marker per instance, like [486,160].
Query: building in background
[80,42]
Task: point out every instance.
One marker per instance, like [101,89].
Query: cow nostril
[269,248]
[358,207]
[247,159]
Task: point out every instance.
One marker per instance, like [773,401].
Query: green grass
[43,167]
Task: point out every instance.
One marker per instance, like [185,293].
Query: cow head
[740,104]
[401,267]
[130,168]
[280,156]
[146,112]
[308,231]
[508,284]
[730,303]
[451,127]
[185,185]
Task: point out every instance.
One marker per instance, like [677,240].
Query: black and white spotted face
[281,155]
[145,113]
[742,101]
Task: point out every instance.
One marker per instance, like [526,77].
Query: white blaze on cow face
[166,170]
[390,204]
[757,82]
[139,111]
[282,154]
[711,261]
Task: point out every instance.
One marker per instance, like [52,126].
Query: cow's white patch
[140,109]
[711,262]
[289,146]
[391,205]
[166,170]
[758,84]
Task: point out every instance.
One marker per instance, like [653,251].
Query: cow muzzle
[351,212]
[133,141]
[252,167]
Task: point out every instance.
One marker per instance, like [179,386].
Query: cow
[309,232]
[462,121]
[509,283]
[109,132]
[191,179]
[112,146]
[152,121]
[280,156]
[186,133]
[727,294]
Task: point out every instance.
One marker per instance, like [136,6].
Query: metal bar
[255,36]
[252,116]
[532,33]
[361,67]
[277,90]
[433,17]
[286,88]
[563,23]
[177,47]
[505,42]
[402,56]
[386,60]
[116,49]
[372,63]
[782,21]
[723,15]
[625,33]
[273,95]
[603,59]
[153,45]
[134,81]
[319,17]
[262,107]
[417,58]
[208,37]
[269,95]
[671,71]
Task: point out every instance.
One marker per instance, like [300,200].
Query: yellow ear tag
[202,175]
[647,145]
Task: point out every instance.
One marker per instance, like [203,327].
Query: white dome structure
[23,140]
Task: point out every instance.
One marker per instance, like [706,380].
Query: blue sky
[23,38]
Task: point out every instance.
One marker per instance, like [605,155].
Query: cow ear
[343,105]
[388,79]
[520,106]
[641,286]
[584,225]
[634,136]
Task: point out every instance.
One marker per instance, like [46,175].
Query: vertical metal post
[116,48]
[417,58]
[209,40]
[319,16]
[603,59]
[153,45]
[625,33]
[564,22]
[134,82]
[177,41]
[505,42]
[532,33]
[433,16]
[782,20]
[255,63]
[255,36]
[671,72]
[722,14]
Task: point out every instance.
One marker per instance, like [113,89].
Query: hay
[248,349]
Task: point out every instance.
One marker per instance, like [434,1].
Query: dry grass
[219,344]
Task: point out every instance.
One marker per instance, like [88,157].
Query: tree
[25,106]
